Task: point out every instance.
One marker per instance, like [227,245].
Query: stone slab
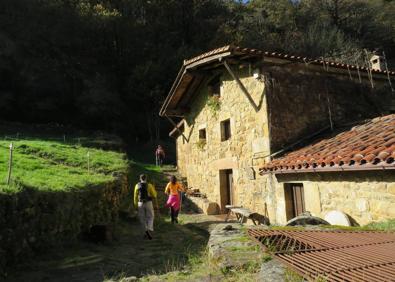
[338,218]
[204,205]
[229,247]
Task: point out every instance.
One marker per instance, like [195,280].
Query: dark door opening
[294,200]
[226,188]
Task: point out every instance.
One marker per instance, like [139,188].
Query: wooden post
[180,194]
[241,85]
[89,169]
[175,125]
[64,138]
[10,165]
[388,73]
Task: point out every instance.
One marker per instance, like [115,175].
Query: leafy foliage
[109,64]
[214,103]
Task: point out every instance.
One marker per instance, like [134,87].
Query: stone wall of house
[298,104]
[201,163]
[365,196]
[301,103]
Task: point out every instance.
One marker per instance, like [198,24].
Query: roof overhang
[278,171]
[367,146]
[193,72]
[191,75]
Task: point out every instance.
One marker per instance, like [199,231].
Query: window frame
[226,130]
[204,131]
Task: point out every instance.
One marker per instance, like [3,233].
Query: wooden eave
[189,79]
[193,72]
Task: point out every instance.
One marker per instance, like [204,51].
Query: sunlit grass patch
[51,165]
[386,225]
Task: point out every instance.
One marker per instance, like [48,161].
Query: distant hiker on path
[173,189]
[159,155]
[144,194]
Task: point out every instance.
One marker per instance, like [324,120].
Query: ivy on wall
[214,103]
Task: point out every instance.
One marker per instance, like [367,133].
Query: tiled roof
[326,64]
[187,76]
[367,146]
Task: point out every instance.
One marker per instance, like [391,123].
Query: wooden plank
[241,86]
[298,199]
[175,125]
[242,211]
[208,60]
[189,93]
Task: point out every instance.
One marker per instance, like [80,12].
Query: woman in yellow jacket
[173,189]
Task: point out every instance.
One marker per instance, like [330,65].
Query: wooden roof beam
[176,127]
[241,86]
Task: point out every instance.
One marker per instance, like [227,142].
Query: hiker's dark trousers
[159,160]
[174,215]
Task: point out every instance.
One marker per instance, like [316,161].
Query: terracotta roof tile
[367,146]
[236,49]
[240,53]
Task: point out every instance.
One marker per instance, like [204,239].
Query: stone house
[241,109]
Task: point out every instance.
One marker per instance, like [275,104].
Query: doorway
[226,188]
[294,199]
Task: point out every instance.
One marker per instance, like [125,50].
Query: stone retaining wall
[204,205]
[33,220]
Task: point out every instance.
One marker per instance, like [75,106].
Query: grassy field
[51,165]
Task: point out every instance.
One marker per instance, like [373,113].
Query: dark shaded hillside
[97,65]
[108,65]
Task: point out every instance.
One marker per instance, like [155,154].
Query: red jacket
[160,152]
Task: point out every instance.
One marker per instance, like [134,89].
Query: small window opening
[202,134]
[375,61]
[214,86]
[225,130]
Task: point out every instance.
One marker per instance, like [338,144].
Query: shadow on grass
[129,254]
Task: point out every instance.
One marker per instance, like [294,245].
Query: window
[225,130]
[202,134]
[214,86]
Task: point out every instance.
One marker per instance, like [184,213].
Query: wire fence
[65,139]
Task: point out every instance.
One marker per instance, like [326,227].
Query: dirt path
[128,255]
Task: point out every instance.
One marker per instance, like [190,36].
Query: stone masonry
[365,196]
[201,163]
[292,104]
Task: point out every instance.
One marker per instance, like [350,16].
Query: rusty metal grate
[333,255]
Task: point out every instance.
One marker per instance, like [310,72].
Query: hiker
[144,194]
[159,155]
[173,202]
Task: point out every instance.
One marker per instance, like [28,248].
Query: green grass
[53,166]
[387,225]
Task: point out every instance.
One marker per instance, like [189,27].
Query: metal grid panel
[333,255]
